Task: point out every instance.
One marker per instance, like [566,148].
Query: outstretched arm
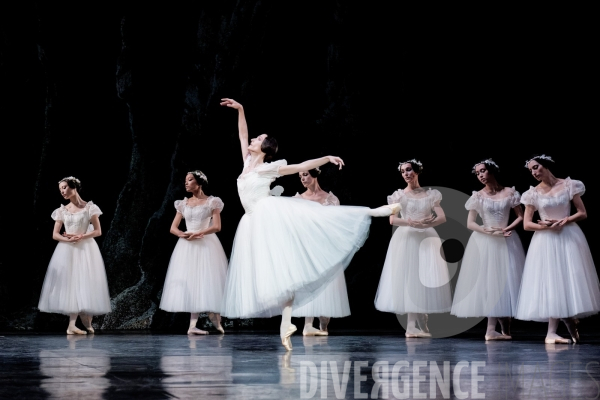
[310,164]
[242,125]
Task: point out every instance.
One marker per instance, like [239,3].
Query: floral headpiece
[70,178]
[318,169]
[199,174]
[413,161]
[542,157]
[489,161]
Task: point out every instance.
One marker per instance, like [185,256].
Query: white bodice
[330,200]
[557,203]
[255,185]
[494,212]
[79,222]
[198,217]
[416,204]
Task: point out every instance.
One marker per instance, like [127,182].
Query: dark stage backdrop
[127,100]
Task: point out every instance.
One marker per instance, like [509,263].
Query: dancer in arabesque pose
[285,248]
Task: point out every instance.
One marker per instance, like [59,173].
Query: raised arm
[242,125]
[310,164]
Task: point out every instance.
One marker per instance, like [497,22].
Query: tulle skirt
[490,277]
[196,276]
[415,277]
[329,301]
[288,248]
[559,279]
[75,281]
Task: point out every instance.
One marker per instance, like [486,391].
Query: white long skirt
[559,279]
[287,248]
[415,277]
[490,277]
[76,281]
[196,276]
[330,301]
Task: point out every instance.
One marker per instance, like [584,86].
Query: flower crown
[199,174]
[413,161]
[542,157]
[70,178]
[489,161]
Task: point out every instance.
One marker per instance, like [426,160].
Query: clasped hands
[554,224]
[191,235]
[497,231]
[72,238]
[421,223]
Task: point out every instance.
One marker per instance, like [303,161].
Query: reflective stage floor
[115,365]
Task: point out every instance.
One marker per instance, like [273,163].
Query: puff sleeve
[58,214]
[529,198]
[271,170]
[332,200]
[94,209]
[216,204]
[575,187]
[436,196]
[515,197]
[180,205]
[474,202]
[395,197]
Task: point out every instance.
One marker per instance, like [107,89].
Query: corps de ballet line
[289,253]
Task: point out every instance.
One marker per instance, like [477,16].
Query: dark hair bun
[269,146]
[72,182]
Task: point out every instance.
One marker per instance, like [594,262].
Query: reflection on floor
[255,366]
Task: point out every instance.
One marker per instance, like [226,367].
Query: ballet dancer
[415,278]
[492,265]
[198,267]
[75,283]
[559,278]
[331,301]
[274,260]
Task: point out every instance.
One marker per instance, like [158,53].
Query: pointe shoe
[322,333]
[90,329]
[422,322]
[575,336]
[216,323]
[417,335]
[76,331]
[285,340]
[395,207]
[499,337]
[557,341]
[196,331]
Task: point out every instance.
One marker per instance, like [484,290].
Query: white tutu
[76,281]
[285,247]
[560,279]
[415,277]
[329,301]
[490,277]
[492,266]
[198,268]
